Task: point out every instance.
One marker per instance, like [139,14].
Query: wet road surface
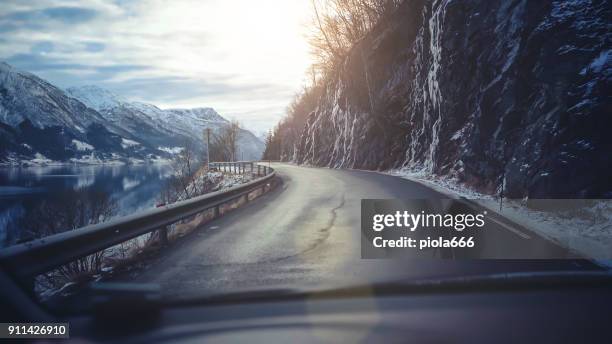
[306,234]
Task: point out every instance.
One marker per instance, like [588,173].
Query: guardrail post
[163,236]
[216,212]
[258,170]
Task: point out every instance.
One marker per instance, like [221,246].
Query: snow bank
[586,231]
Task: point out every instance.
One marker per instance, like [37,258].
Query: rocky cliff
[477,90]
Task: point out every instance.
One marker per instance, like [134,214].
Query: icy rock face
[479,91]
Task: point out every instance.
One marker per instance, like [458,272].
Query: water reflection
[23,190]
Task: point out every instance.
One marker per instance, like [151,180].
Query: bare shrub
[67,211]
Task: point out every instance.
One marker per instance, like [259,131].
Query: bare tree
[337,27]
[340,24]
[224,145]
[186,168]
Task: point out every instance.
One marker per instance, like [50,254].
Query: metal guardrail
[38,256]
[241,167]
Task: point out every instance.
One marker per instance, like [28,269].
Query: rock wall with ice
[480,91]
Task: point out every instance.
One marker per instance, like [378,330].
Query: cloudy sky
[245,58]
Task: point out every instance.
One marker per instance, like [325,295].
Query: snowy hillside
[40,123]
[167,128]
[24,96]
[95,97]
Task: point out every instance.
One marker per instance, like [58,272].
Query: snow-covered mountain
[24,96]
[96,98]
[166,128]
[40,122]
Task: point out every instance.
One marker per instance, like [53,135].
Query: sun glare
[246,41]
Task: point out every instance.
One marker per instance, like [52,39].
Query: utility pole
[208,149]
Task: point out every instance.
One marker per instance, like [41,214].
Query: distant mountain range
[43,124]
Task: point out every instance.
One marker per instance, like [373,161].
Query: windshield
[209,148]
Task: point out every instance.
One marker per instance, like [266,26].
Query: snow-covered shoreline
[80,162]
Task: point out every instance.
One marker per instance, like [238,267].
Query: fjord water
[24,189]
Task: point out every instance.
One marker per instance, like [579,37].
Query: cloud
[42,48]
[37,62]
[70,14]
[94,47]
[184,53]
[66,15]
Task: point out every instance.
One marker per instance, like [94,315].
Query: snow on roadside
[445,185]
[587,231]
[231,180]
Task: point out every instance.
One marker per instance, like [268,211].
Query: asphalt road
[306,233]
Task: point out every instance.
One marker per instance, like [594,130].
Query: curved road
[306,233]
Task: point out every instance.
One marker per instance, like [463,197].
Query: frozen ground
[586,230]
